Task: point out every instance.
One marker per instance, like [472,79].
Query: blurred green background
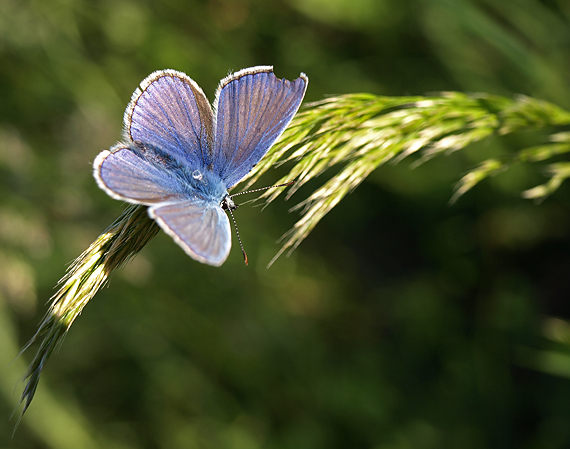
[400,322]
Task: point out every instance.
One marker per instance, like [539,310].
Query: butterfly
[180,156]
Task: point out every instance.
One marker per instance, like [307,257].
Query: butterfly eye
[228,204]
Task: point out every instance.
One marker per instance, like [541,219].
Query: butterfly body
[194,181]
[181,157]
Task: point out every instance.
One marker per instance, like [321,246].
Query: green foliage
[87,274]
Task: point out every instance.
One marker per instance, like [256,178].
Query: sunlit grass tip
[352,135]
[85,276]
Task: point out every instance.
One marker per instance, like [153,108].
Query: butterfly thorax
[203,182]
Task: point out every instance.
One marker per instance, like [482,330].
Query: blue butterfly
[181,156]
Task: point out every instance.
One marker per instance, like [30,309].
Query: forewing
[170,111]
[199,227]
[127,175]
[253,107]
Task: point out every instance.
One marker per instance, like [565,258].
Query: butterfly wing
[201,228]
[171,112]
[253,107]
[128,176]
[198,225]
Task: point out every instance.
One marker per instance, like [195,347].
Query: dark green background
[400,322]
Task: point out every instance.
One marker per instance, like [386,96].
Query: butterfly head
[228,204]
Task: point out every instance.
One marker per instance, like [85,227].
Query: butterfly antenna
[231,207]
[239,239]
[263,188]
